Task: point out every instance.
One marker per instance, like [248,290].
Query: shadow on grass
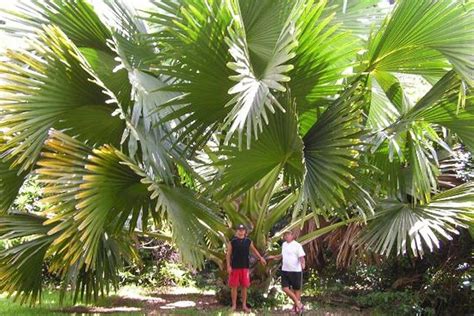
[134,301]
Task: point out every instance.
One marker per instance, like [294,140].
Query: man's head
[288,236]
[241,231]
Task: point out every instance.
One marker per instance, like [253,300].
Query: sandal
[299,310]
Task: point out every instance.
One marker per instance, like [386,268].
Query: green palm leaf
[91,191]
[450,104]
[194,55]
[76,18]
[261,42]
[321,57]
[193,220]
[40,92]
[420,35]
[409,132]
[10,183]
[94,192]
[357,17]
[137,92]
[89,284]
[278,147]
[400,226]
[331,153]
[21,265]
[11,180]
[147,133]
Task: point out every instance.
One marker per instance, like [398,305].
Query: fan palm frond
[278,147]
[399,226]
[91,192]
[21,265]
[194,55]
[76,18]
[40,93]
[331,153]
[261,42]
[420,36]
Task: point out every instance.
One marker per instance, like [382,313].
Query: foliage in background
[160,267]
[441,282]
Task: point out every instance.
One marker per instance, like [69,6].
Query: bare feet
[246,309]
[233,308]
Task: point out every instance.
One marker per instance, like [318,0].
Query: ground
[135,301]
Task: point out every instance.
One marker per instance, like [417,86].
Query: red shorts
[239,277]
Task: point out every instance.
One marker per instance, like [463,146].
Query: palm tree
[184,120]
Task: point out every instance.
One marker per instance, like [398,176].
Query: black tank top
[240,253]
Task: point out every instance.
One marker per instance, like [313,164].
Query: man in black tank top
[238,263]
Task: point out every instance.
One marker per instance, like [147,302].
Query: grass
[49,306]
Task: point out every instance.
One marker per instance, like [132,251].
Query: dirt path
[186,304]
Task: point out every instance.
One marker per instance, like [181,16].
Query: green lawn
[49,306]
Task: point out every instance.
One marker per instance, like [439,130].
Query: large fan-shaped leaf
[331,153]
[76,18]
[21,266]
[421,34]
[279,146]
[193,53]
[94,187]
[93,192]
[321,56]
[262,40]
[47,88]
[357,17]
[399,226]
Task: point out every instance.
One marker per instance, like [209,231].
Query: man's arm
[303,263]
[257,254]
[275,257]
[228,256]
[301,255]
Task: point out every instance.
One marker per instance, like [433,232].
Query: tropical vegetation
[184,120]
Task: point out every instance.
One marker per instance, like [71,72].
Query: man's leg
[285,285]
[295,281]
[244,299]
[233,294]
[299,287]
[291,295]
[245,283]
[298,295]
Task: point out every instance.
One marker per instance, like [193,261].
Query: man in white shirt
[293,265]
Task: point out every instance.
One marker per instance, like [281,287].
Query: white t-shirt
[291,254]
